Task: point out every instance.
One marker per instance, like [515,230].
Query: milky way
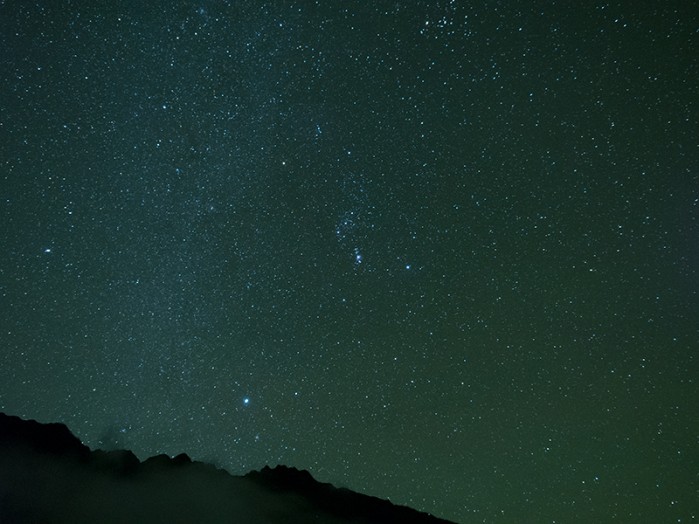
[438,253]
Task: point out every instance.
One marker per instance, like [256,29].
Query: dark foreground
[47,475]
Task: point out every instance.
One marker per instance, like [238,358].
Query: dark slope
[48,475]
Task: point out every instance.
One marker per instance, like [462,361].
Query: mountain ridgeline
[48,475]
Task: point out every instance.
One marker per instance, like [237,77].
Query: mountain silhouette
[47,475]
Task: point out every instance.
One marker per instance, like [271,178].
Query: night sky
[440,252]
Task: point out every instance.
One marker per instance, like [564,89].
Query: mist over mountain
[48,475]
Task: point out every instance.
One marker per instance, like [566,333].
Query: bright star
[357,256]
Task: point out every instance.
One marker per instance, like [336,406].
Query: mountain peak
[44,471]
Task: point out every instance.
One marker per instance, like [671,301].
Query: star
[357,256]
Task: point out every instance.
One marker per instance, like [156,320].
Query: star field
[433,252]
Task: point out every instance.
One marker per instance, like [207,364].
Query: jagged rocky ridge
[48,475]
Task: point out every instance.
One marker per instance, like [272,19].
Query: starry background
[440,253]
